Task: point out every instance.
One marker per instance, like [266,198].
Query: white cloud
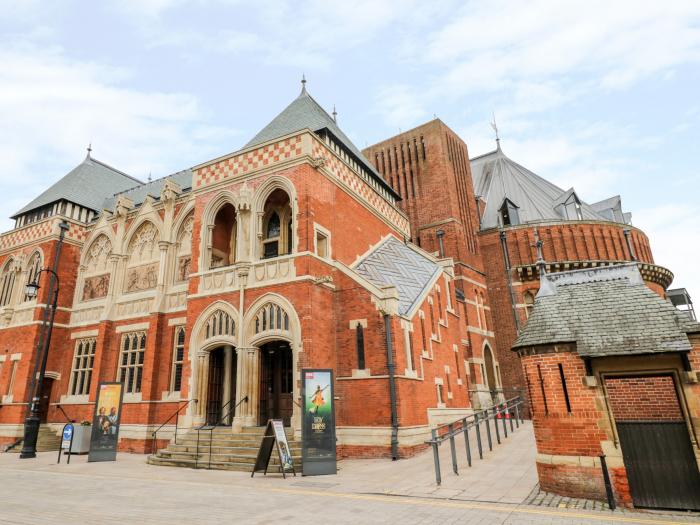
[674,233]
[53,106]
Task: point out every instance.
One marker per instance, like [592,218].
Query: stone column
[202,385]
[247,384]
[226,402]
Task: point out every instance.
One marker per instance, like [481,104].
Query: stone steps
[229,451]
[47,441]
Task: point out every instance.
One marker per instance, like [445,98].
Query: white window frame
[175,361]
[83,364]
[126,370]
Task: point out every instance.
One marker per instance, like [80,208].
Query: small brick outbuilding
[612,371]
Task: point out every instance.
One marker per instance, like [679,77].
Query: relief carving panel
[95,287]
[141,278]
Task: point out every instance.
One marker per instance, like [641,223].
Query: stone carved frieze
[95,287]
[183,268]
[141,278]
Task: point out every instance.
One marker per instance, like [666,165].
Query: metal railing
[64,414]
[175,415]
[211,428]
[507,412]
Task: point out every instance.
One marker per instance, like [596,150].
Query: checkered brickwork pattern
[39,231]
[361,188]
[252,160]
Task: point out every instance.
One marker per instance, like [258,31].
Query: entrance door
[216,386]
[277,382]
[661,467]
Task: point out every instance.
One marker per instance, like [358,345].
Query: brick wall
[650,398]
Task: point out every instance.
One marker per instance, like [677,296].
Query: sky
[602,96]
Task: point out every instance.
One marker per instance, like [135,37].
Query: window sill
[132,398]
[364,372]
[170,396]
[75,400]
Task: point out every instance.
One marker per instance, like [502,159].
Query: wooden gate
[661,466]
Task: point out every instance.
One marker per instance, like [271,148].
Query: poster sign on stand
[274,434]
[318,423]
[106,422]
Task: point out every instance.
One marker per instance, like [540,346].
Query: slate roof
[497,177]
[138,193]
[305,113]
[87,185]
[394,263]
[606,311]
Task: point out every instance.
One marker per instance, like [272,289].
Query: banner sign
[318,422]
[105,422]
[274,434]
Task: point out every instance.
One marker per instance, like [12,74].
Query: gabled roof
[87,185]
[497,177]
[138,193]
[305,113]
[392,262]
[606,311]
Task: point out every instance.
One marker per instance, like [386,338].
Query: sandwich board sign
[318,423]
[66,440]
[274,435]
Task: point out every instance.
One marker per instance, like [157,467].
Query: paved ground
[371,491]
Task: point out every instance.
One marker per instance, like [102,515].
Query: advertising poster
[318,423]
[105,422]
[282,446]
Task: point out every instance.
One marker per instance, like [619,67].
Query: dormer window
[509,213]
[572,208]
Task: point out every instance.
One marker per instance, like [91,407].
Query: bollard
[510,420]
[517,414]
[478,436]
[466,442]
[436,459]
[495,425]
[505,426]
[488,430]
[450,429]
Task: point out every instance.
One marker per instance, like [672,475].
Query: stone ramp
[222,449]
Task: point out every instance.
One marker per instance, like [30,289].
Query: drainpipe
[506,260]
[392,389]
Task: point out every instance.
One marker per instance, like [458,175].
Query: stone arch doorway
[221,386]
[276,382]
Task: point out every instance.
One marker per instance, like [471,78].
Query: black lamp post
[33,420]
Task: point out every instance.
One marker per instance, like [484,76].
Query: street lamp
[33,420]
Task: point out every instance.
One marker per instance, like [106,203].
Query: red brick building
[211,289]
[612,371]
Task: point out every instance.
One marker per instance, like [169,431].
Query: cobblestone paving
[547,499]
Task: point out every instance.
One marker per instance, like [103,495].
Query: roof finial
[89,150]
[303,83]
[495,128]
[335,114]
[149,177]
[541,264]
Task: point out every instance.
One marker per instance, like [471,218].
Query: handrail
[66,415]
[211,428]
[175,415]
[507,411]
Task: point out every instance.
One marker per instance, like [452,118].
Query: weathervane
[495,128]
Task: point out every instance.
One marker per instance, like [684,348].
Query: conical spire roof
[88,184]
[496,178]
[304,112]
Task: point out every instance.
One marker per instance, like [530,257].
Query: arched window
[184,250]
[7,283]
[33,269]
[224,237]
[491,377]
[219,324]
[277,225]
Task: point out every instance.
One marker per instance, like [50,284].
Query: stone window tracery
[7,282]
[83,361]
[271,317]
[178,358]
[131,361]
[219,324]
[142,267]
